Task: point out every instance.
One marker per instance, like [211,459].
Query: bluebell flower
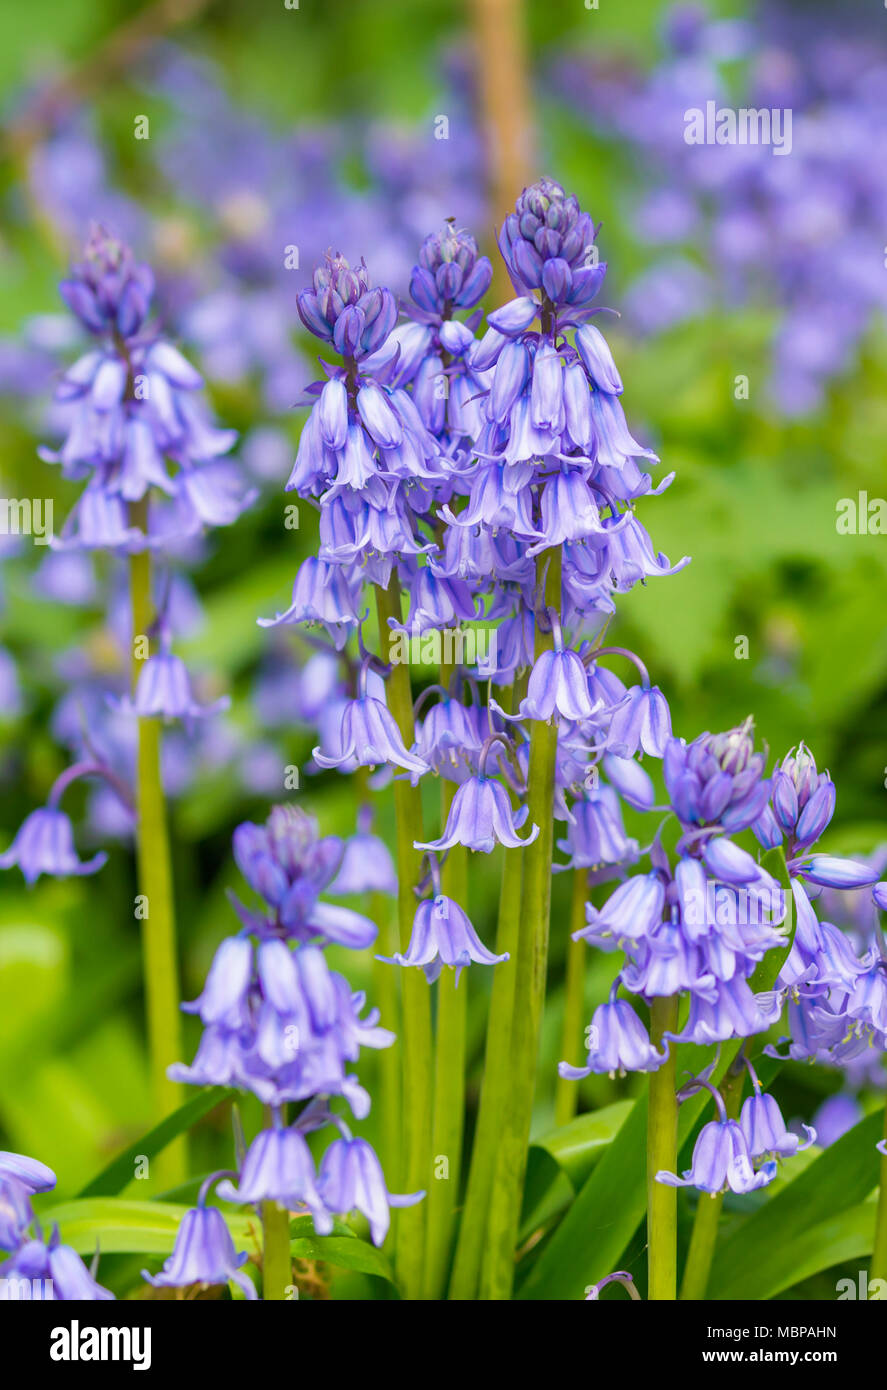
[366,865]
[480,817]
[370,736]
[351,1179]
[642,722]
[630,913]
[322,593]
[829,871]
[596,832]
[16,1213]
[203,1254]
[65,1277]
[289,864]
[131,405]
[803,800]
[617,1041]
[721,1160]
[278,1167]
[30,1172]
[443,935]
[716,779]
[558,685]
[764,1129]
[44,844]
[163,691]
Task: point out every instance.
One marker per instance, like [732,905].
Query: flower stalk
[566,1094]
[416,994]
[277,1265]
[161,971]
[662,1153]
[497,1273]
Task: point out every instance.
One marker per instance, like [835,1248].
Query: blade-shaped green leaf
[119,1173]
[560,1161]
[755,1260]
[117,1226]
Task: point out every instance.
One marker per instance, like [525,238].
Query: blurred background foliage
[348,95]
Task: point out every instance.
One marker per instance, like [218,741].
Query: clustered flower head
[57,1269]
[698,925]
[131,409]
[279,1023]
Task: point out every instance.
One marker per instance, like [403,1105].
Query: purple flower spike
[764,1129]
[443,935]
[617,1042]
[370,737]
[204,1254]
[351,1179]
[279,1168]
[481,817]
[721,1159]
[45,845]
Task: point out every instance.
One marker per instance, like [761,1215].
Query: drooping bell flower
[351,1179]
[278,1167]
[443,935]
[44,844]
[63,1274]
[617,1042]
[203,1254]
[480,817]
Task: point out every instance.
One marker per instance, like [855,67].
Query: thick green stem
[567,1092]
[415,1039]
[662,1154]
[708,1213]
[449,1083]
[879,1250]
[156,908]
[385,996]
[277,1265]
[494,1088]
[497,1272]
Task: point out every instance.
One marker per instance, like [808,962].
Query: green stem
[494,1087]
[567,1092]
[385,995]
[708,1212]
[449,1082]
[277,1265]
[162,991]
[662,1153]
[879,1250]
[415,1040]
[497,1271]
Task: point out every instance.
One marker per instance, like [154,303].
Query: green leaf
[601,1221]
[121,1227]
[561,1160]
[789,1237]
[347,1252]
[119,1173]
